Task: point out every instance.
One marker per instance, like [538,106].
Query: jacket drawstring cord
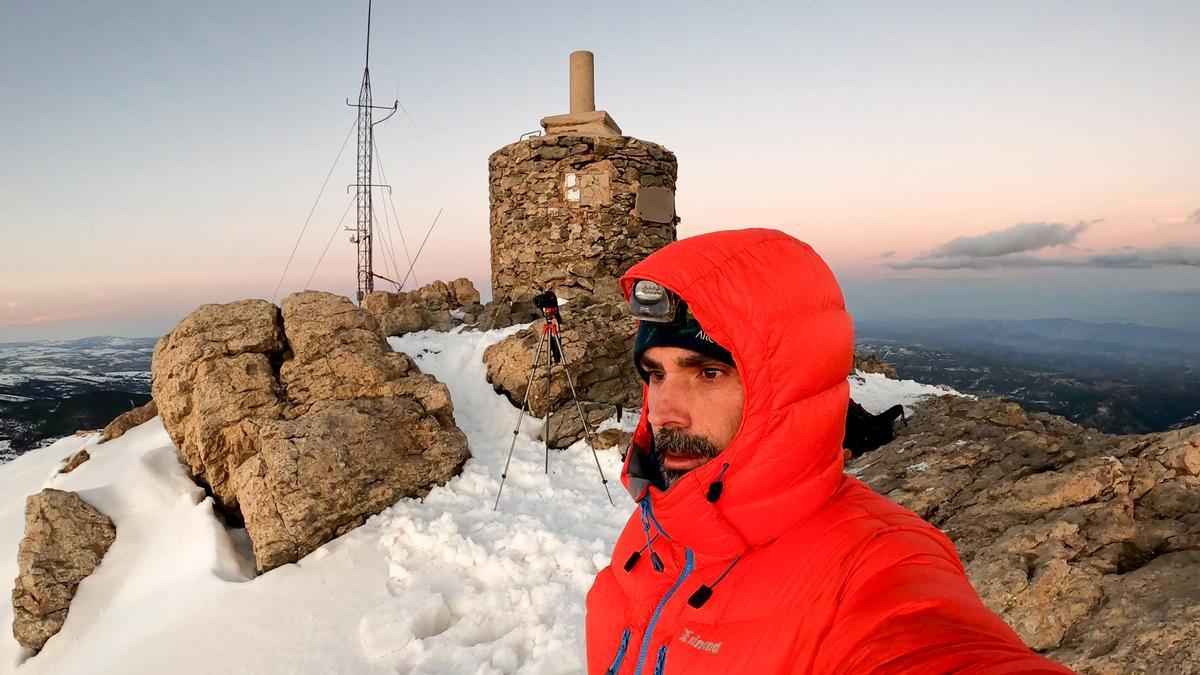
[717,486]
[636,555]
[702,594]
[655,561]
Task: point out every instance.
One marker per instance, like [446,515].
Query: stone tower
[573,209]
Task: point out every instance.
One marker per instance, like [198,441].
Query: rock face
[597,342]
[65,539]
[128,420]
[302,422]
[870,363]
[1087,545]
[569,211]
[437,306]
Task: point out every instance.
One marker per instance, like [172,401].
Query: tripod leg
[520,415]
[586,429]
[549,378]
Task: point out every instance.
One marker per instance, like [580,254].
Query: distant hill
[1115,377]
[1126,345]
[50,388]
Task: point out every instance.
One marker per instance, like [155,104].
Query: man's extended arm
[908,607]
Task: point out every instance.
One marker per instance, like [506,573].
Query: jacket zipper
[620,654]
[662,660]
[688,564]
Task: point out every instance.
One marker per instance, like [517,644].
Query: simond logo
[692,640]
[704,336]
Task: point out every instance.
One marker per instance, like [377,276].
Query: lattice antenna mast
[364,230]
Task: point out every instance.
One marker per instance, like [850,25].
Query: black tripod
[550,344]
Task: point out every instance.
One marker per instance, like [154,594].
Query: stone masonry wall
[571,212]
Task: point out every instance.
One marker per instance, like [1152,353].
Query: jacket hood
[775,305]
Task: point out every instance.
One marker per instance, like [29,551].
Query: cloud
[925,279]
[887,254]
[1184,256]
[1020,238]
[1126,258]
[1186,293]
[1194,219]
[969,263]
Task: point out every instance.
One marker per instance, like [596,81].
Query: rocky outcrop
[74,461]
[437,306]
[612,438]
[597,339]
[128,420]
[1087,545]
[65,539]
[566,426]
[303,422]
[503,313]
[870,363]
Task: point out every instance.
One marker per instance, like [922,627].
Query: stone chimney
[584,119]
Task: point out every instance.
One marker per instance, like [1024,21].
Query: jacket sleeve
[907,607]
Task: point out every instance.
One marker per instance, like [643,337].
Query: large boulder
[437,305]
[65,539]
[215,369]
[597,340]
[1086,544]
[322,474]
[305,441]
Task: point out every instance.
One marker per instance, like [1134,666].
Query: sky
[992,160]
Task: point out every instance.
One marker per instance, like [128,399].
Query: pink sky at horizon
[181,171]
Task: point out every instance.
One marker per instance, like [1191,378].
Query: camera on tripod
[547,301]
[550,344]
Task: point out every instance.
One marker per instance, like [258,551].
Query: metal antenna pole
[363,232]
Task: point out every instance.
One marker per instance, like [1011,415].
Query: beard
[680,444]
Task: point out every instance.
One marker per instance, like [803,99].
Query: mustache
[682,444]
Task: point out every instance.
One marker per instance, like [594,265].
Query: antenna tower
[363,233]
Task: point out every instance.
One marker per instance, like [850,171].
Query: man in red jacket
[751,551]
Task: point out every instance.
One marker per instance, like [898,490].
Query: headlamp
[651,301]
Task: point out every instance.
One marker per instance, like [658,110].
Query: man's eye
[655,375]
[710,373]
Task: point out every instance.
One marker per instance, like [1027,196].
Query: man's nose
[668,406]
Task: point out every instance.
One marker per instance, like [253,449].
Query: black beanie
[688,336]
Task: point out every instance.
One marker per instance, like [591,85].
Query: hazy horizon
[1009,160]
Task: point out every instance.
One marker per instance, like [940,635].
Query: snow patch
[877,392]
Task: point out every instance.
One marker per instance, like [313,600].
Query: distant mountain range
[50,388]
[1115,377]
[1124,345]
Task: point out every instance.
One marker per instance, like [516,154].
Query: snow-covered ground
[877,393]
[441,585]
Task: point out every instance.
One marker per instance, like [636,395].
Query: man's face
[695,407]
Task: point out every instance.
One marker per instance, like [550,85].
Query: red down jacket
[809,570]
